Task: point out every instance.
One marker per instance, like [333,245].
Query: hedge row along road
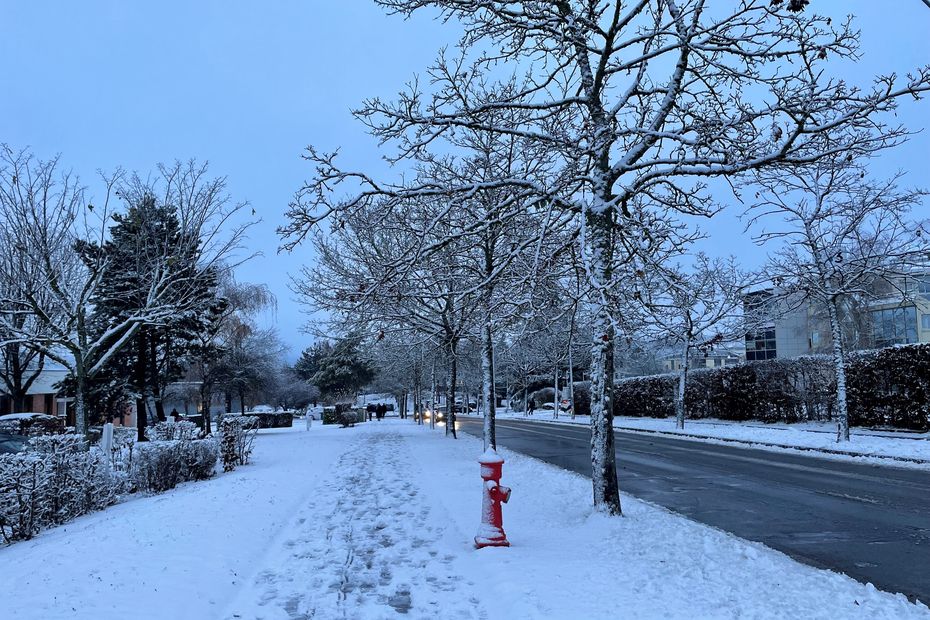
[870,522]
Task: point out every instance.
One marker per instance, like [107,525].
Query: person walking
[531,406]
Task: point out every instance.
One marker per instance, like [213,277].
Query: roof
[45,382]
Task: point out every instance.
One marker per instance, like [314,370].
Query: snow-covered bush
[886,387]
[38,425]
[22,481]
[57,479]
[170,431]
[79,479]
[236,436]
[890,387]
[276,419]
[582,392]
[161,465]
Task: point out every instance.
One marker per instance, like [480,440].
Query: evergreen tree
[343,372]
[148,244]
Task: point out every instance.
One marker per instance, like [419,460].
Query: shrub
[169,431]
[40,425]
[236,436]
[582,391]
[887,387]
[161,465]
[343,415]
[277,419]
[56,480]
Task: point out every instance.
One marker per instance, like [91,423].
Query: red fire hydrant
[491,533]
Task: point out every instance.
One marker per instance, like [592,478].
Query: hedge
[278,419]
[886,387]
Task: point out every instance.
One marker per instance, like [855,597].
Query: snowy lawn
[883,447]
[378,521]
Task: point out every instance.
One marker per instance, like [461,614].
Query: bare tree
[696,309]
[640,101]
[844,237]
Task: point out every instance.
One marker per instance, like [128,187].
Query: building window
[923,287]
[894,326]
[760,346]
[925,321]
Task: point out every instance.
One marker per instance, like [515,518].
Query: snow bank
[877,446]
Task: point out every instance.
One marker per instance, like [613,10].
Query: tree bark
[839,364]
[682,384]
[555,392]
[487,385]
[450,394]
[140,384]
[603,453]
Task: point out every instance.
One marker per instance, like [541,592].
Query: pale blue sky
[247,85]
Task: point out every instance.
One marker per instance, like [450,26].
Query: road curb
[900,459]
[903,459]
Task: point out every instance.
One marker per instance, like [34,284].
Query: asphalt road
[870,522]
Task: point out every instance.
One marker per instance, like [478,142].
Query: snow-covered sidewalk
[887,448]
[377,522]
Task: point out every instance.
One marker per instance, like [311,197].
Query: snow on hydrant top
[489,457]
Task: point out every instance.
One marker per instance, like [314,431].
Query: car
[262,409]
[439,411]
[26,423]
[10,444]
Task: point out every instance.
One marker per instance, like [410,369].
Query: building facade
[791,327]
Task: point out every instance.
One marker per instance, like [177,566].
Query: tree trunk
[682,383]
[450,394]
[140,383]
[432,394]
[839,363]
[603,454]
[206,399]
[571,376]
[80,410]
[487,386]
[555,393]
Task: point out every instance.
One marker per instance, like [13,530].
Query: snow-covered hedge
[887,387]
[277,419]
[344,415]
[60,477]
[41,425]
[168,431]
[161,465]
[54,481]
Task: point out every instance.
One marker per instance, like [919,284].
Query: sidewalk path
[369,546]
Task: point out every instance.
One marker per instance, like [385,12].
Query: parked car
[262,409]
[10,444]
[30,423]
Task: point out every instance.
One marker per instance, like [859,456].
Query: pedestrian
[531,406]
[371,409]
[379,411]
[416,412]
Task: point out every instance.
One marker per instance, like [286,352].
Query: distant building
[789,328]
[714,359]
[43,396]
